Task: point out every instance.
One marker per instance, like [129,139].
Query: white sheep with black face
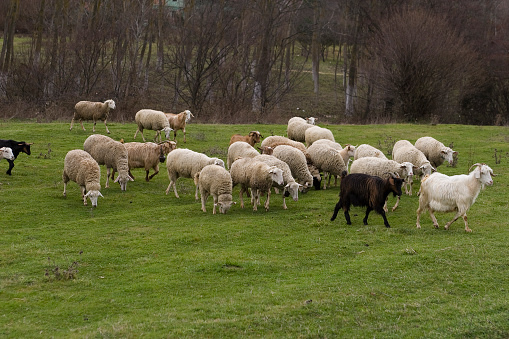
[80,167]
[152,120]
[89,110]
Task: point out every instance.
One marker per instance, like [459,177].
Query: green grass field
[147,264]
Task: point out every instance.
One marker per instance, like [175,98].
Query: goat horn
[476,164]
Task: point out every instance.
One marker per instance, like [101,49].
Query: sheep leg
[385,204]
[284,202]
[130,174]
[83,195]
[196,193]
[72,123]
[184,132]
[93,126]
[108,170]
[107,130]
[169,186]
[466,223]
[81,123]
[267,201]
[241,193]
[204,197]
[459,214]
[256,195]
[432,215]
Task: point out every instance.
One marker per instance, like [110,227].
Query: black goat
[17,147]
[366,190]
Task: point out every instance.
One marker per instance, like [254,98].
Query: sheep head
[92,195]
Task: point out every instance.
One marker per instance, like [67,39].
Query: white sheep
[289,187]
[179,121]
[327,160]
[6,153]
[276,140]
[88,110]
[152,120]
[148,155]
[402,151]
[240,149]
[256,175]
[216,181]
[296,160]
[442,193]
[184,163]
[347,153]
[366,150]
[113,154]
[297,127]
[383,168]
[80,167]
[435,151]
[316,133]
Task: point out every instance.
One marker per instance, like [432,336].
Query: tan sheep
[113,154]
[80,167]
[252,138]
[216,181]
[148,155]
[178,122]
[88,110]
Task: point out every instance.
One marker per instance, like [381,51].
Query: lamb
[366,150]
[80,167]
[383,168]
[6,153]
[153,120]
[435,151]
[258,176]
[289,187]
[403,151]
[316,133]
[216,181]
[240,149]
[297,163]
[327,160]
[361,189]
[113,154]
[184,163]
[88,110]
[297,127]
[442,193]
[252,138]
[148,156]
[178,122]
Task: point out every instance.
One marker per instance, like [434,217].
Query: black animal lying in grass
[366,190]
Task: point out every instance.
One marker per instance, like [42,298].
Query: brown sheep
[252,138]
[178,122]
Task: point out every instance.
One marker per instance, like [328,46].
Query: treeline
[436,61]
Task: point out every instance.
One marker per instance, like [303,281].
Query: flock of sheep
[281,163]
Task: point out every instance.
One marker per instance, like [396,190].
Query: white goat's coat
[442,193]
[184,163]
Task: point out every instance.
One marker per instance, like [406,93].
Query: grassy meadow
[147,264]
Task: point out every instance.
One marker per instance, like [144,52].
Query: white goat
[442,193]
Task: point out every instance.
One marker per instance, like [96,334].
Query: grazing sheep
[297,163]
[153,120]
[435,151]
[327,160]
[252,138]
[442,193]
[178,122]
[347,153]
[330,143]
[184,163]
[297,128]
[80,167]
[383,168]
[6,153]
[361,189]
[240,149]
[88,110]
[148,155]
[404,151]
[113,154]
[289,187]
[316,133]
[365,150]
[216,181]
[256,175]
[276,140]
